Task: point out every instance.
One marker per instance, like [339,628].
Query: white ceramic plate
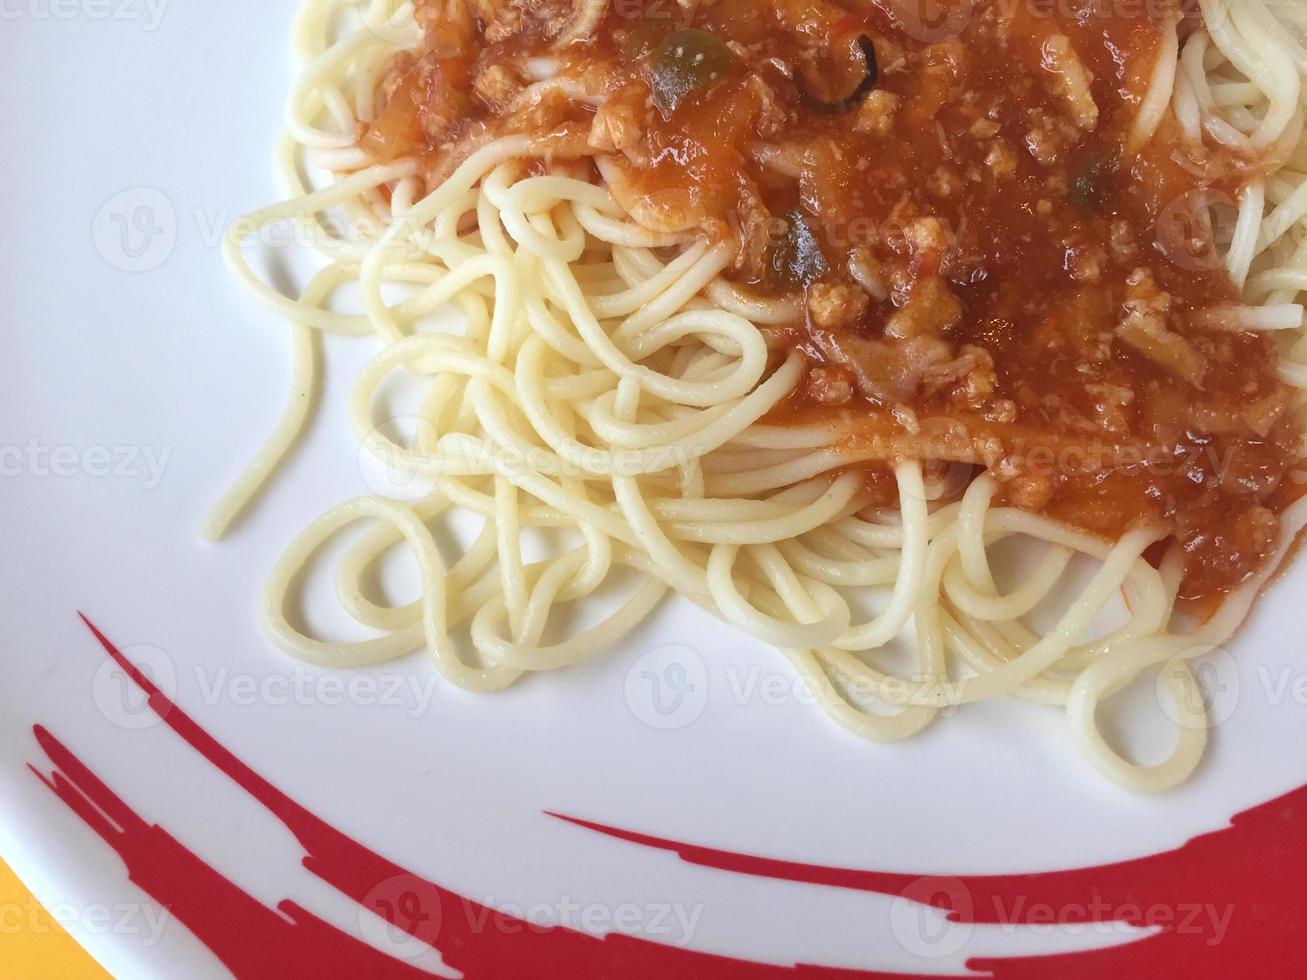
[134,381]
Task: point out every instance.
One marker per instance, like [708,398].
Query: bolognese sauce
[984,259]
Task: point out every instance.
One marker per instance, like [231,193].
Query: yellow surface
[32,945]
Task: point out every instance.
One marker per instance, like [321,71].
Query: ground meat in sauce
[986,279]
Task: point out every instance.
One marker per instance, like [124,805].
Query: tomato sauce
[992,271]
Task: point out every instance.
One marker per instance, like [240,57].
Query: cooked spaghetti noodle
[694,400]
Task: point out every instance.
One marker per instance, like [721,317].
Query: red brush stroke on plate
[1244,887]
[1232,903]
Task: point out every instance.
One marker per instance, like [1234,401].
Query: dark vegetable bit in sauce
[687,61]
[1091,179]
[865,70]
[798,259]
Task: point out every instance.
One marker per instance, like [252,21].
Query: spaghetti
[629,370]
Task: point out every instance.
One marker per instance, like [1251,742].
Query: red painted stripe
[1231,903]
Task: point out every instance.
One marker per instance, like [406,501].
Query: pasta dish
[809,312]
